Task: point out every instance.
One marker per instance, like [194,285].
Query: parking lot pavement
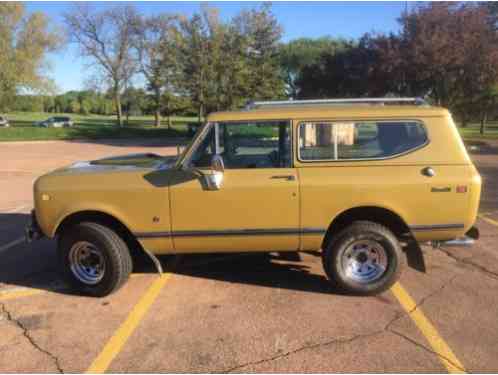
[240,312]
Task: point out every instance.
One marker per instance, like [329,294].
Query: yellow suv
[355,178]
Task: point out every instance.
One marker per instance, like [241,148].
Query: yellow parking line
[118,340]
[445,354]
[14,293]
[488,220]
[17,209]
[17,293]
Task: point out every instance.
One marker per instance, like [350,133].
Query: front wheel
[94,259]
[363,259]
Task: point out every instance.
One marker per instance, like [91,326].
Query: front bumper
[32,231]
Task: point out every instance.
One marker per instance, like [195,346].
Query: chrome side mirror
[214,178]
[217,164]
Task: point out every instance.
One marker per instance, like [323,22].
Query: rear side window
[359,140]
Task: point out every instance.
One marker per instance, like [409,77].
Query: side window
[358,140]
[262,144]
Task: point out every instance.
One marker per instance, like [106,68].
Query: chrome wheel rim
[87,262]
[364,261]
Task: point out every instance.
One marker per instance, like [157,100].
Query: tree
[232,70]
[301,53]
[106,38]
[263,34]
[157,44]
[25,41]
[195,60]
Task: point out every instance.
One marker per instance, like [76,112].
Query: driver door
[257,206]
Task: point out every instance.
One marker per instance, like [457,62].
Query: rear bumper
[32,231]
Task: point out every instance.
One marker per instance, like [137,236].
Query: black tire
[333,258]
[111,249]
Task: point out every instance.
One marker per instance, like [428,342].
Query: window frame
[323,121]
[186,161]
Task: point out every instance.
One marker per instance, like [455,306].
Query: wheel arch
[377,214]
[102,218]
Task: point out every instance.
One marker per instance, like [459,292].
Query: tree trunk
[157,118]
[158,107]
[119,113]
[484,118]
[200,112]
[465,121]
[169,121]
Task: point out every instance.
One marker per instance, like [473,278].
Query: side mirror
[214,177]
[217,164]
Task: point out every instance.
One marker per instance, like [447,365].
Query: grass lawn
[90,127]
[471,131]
[98,127]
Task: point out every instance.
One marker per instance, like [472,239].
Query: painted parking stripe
[488,220]
[14,293]
[121,336]
[12,244]
[19,292]
[17,209]
[445,354]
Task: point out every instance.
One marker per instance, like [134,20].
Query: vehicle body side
[168,211]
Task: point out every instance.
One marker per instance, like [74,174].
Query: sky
[298,19]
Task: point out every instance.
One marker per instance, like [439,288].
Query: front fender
[50,225]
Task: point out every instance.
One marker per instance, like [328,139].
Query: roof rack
[371,101]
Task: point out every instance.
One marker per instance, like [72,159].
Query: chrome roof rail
[372,101]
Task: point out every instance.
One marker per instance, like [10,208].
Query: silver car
[55,122]
[4,123]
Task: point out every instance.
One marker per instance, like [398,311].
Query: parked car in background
[4,122]
[56,122]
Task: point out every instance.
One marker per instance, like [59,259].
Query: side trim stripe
[152,234]
[420,228]
[231,232]
[273,232]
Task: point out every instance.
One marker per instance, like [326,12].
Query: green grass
[471,131]
[98,127]
[90,127]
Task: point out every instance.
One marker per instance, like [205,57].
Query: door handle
[284,177]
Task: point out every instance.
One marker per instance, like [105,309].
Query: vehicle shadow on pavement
[275,270]
[35,265]
[24,265]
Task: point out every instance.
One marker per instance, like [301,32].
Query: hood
[129,162]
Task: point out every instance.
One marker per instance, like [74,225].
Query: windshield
[195,139]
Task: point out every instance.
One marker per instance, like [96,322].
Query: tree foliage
[156,41]
[446,52]
[25,41]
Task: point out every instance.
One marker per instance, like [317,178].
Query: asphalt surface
[240,312]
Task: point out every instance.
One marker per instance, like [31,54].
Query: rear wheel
[94,259]
[363,259]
